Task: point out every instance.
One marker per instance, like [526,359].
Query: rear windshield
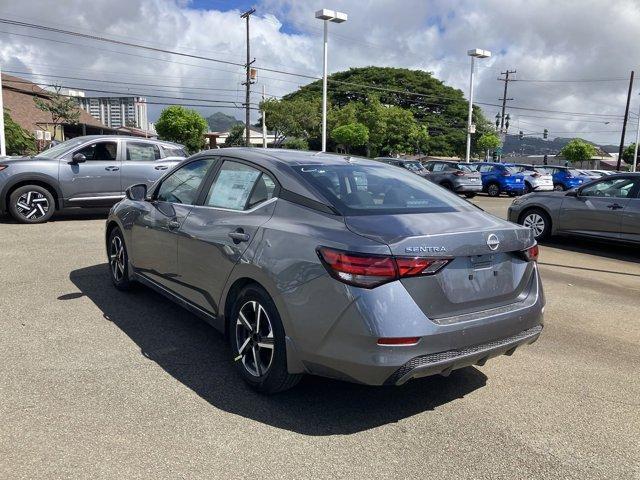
[375,190]
[173,151]
[464,167]
[512,169]
[413,166]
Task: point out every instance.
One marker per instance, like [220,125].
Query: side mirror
[573,193]
[137,192]
[78,158]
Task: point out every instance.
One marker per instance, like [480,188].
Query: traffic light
[521,135]
[545,133]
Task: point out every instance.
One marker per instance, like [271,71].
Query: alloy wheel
[493,190]
[535,222]
[116,258]
[32,205]
[254,338]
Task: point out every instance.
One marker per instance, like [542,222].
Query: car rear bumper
[512,187]
[474,187]
[445,362]
[346,347]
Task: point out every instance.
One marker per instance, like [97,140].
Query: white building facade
[117,112]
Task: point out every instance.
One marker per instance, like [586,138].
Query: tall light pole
[3,145]
[635,150]
[336,17]
[475,53]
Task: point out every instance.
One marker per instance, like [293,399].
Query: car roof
[127,137]
[280,162]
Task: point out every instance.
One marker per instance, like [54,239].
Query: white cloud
[592,39]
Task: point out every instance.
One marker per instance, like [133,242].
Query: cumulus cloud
[541,39]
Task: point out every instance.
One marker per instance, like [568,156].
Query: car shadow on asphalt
[196,355]
[601,248]
[67,215]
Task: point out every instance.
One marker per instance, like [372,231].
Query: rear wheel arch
[446,184]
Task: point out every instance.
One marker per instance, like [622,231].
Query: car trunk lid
[486,269]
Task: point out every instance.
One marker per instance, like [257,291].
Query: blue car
[501,177]
[566,178]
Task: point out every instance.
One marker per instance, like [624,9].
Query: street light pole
[336,17]
[635,150]
[476,52]
[3,145]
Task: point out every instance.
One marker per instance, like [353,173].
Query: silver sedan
[608,208]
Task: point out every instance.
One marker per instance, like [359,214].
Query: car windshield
[62,148]
[374,190]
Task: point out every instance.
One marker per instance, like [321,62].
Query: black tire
[447,185]
[118,261]
[470,194]
[262,367]
[532,217]
[527,187]
[493,190]
[31,204]
[558,187]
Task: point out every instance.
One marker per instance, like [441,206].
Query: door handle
[615,206]
[173,224]
[112,169]
[239,236]
[161,167]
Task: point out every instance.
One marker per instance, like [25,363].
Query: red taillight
[398,341]
[459,173]
[369,271]
[2,167]
[536,174]
[531,253]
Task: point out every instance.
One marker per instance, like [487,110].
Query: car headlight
[518,200]
[2,167]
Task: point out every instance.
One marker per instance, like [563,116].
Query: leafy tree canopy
[578,150]
[236,136]
[63,109]
[627,153]
[489,141]
[296,144]
[351,135]
[19,141]
[182,125]
[299,118]
[443,109]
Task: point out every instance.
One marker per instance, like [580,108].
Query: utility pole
[635,150]
[264,124]
[3,145]
[624,124]
[504,100]
[247,82]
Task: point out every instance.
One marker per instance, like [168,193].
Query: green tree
[296,144]
[182,125]
[63,109]
[488,141]
[19,141]
[578,150]
[351,135]
[432,103]
[236,136]
[627,153]
[297,118]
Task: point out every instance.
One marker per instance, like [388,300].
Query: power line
[584,80]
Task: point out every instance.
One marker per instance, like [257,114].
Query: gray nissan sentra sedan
[330,265]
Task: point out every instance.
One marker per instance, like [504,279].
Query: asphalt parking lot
[96,383]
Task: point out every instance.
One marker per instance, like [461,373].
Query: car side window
[145,152]
[239,187]
[614,188]
[438,167]
[182,185]
[100,151]
[173,151]
[429,166]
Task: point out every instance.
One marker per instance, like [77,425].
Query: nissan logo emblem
[492,241]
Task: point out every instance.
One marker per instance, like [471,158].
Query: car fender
[26,177]
[549,211]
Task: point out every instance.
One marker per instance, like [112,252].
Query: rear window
[173,151]
[413,166]
[374,190]
[512,169]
